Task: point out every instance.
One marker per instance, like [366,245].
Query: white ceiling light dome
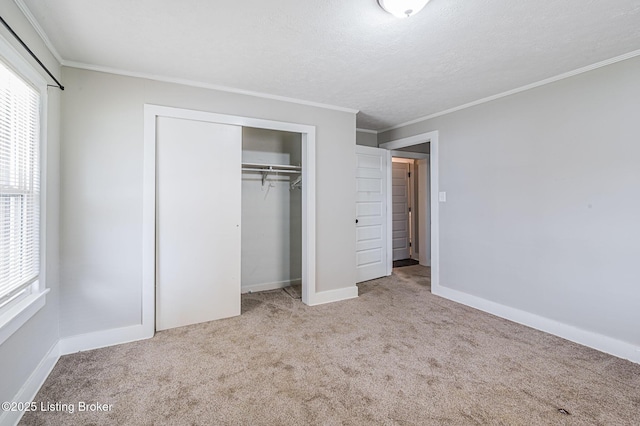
[403,8]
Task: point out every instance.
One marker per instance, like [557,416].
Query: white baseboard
[593,340]
[31,387]
[329,296]
[101,339]
[252,288]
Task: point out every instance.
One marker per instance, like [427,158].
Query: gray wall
[101,208]
[543,200]
[366,139]
[23,351]
[271,212]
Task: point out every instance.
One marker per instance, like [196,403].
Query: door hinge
[409,244]
[409,209]
[409,174]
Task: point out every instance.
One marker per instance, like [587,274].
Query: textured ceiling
[346,53]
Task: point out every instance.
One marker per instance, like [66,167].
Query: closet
[271,210]
[228,217]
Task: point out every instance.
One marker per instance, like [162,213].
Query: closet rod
[258,166]
[33,55]
[267,170]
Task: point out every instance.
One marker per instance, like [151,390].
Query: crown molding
[193,83]
[43,35]
[47,41]
[36,26]
[550,80]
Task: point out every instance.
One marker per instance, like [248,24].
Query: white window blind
[19,185]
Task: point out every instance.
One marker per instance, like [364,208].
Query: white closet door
[198,221]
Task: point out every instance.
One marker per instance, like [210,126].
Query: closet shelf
[266,169]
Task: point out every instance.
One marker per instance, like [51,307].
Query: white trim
[44,120]
[389,208]
[519,89]
[373,132]
[424,256]
[270,286]
[104,338]
[432,138]
[434,178]
[17,315]
[412,190]
[410,141]
[593,340]
[30,389]
[21,66]
[203,85]
[151,112]
[337,295]
[36,26]
[149,224]
[308,213]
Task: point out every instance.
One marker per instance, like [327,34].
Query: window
[19,186]
[22,102]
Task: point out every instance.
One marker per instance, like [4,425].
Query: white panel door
[371,212]
[400,209]
[198,221]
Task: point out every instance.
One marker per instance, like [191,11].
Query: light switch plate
[442,197]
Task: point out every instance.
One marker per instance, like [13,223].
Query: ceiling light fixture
[403,8]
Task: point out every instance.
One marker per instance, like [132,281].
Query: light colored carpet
[395,355]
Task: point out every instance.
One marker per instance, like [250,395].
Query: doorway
[403,209]
[423,149]
[410,213]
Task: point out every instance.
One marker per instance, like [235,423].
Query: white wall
[543,201]
[271,213]
[101,209]
[21,354]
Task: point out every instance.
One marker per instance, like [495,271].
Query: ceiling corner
[36,26]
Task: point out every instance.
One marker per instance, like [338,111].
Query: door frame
[308,132]
[432,138]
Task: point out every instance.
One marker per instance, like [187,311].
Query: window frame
[15,313]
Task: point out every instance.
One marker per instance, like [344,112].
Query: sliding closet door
[198,173]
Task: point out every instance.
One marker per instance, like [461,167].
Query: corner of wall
[31,387]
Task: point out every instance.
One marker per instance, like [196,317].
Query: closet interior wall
[271,212]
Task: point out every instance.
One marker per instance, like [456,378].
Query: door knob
[356,220]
